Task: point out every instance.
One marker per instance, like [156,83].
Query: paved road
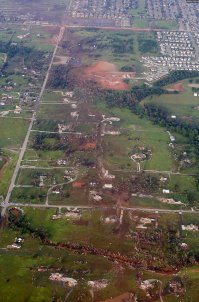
[44,168]
[25,143]
[56,132]
[146,210]
[154,172]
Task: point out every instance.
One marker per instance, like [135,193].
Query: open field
[7,170]
[184,104]
[156,142]
[29,195]
[137,131]
[37,37]
[162,24]
[122,48]
[12,132]
[140,23]
[45,260]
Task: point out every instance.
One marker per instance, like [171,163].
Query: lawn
[34,155]
[13,132]
[29,195]
[53,111]
[7,171]
[144,202]
[31,176]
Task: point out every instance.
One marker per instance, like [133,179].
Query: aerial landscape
[99,151]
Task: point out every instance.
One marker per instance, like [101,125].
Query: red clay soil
[178,87]
[78,184]
[107,75]
[89,146]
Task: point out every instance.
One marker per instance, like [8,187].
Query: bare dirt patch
[60,60]
[107,75]
[89,146]
[177,87]
[78,184]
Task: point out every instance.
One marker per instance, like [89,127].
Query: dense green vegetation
[48,141]
[28,56]
[147,46]
[59,77]
[176,76]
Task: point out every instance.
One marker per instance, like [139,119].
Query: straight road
[146,210]
[25,143]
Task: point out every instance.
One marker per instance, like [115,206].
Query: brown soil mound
[107,75]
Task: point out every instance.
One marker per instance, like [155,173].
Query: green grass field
[108,47]
[167,25]
[12,132]
[181,104]
[34,36]
[137,131]
[140,23]
[31,176]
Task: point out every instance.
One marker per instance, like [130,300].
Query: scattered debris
[100,284]
[107,186]
[190,227]
[60,277]
[95,196]
[169,200]
[73,214]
